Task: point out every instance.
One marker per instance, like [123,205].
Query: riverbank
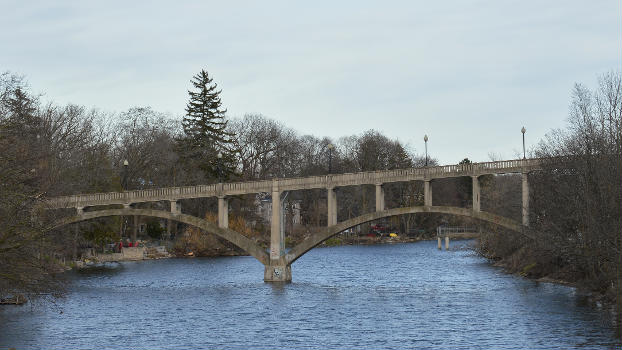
[126,254]
[525,264]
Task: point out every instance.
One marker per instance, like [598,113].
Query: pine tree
[205,130]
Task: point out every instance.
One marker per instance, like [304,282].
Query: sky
[469,74]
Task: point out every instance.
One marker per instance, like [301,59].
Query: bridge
[277,261]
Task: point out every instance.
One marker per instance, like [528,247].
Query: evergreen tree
[205,131]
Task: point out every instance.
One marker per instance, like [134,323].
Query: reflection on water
[380,297]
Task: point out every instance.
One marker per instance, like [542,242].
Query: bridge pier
[379,197]
[277,273]
[476,194]
[332,206]
[525,199]
[223,212]
[427,193]
[276,239]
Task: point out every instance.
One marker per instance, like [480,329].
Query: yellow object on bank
[392,234]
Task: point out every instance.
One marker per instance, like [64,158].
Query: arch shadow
[303,247]
[232,236]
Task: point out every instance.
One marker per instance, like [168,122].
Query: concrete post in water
[476,194]
[446,242]
[223,212]
[439,242]
[332,207]
[379,197]
[427,193]
[525,199]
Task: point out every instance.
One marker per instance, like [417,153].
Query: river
[348,297]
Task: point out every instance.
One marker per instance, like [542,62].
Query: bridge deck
[291,184]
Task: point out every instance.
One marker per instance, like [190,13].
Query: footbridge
[277,261]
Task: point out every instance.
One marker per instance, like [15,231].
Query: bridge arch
[319,237]
[232,236]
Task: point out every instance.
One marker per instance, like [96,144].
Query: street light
[523,131]
[124,182]
[425,139]
[330,157]
[219,156]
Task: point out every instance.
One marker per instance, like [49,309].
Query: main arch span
[232,236]
[326,233]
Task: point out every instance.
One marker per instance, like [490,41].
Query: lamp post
[425,139]
[218,167]
[523,131]
[330,157]
[124,182]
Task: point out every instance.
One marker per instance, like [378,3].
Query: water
[350,297]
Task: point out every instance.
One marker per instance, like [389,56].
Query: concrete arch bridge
[277,261]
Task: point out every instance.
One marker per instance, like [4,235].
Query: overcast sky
[469,74]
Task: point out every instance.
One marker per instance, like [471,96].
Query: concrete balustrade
[292,184]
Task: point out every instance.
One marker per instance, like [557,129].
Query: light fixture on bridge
[425,138]
[219,167]
[124,181]
[523,130]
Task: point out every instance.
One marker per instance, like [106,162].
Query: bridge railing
[443,230]
[335,180]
